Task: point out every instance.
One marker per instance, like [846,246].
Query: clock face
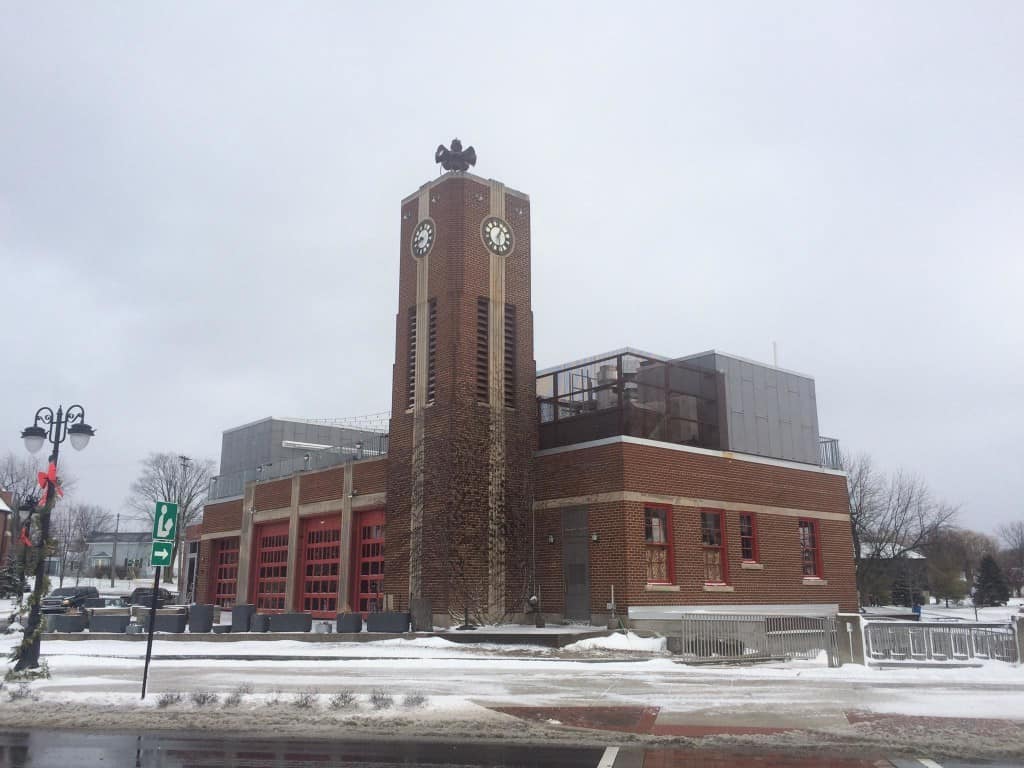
[423,238]
[497,235]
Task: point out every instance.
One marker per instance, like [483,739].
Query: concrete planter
[200,618]
[167,619]
[109,622]
[241,617]
[221,629]
[68,622]
[290,622]
[259,622]
[349,622]
[394,622]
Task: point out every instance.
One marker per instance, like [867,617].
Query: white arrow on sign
[164,553]
[164,525]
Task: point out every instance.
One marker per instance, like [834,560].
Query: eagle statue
[456,158]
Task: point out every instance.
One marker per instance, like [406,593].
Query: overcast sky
[199,208]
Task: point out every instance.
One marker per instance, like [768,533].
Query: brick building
[629,479]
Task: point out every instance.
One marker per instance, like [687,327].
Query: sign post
[165,528]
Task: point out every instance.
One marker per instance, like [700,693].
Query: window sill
[751,566]
[815,581]
[718,588]
[661,588]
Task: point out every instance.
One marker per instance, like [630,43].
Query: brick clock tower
[463,413]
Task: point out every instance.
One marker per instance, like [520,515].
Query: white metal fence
[938,642]
[753,637]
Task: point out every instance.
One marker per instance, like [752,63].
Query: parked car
[144,596]
[66,599]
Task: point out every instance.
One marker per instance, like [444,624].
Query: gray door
[576,563]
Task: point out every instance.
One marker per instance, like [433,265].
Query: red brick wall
[203,573]
[679,473]
[321,486]
[273,495]
[617,558]
[459,274]
[222,516]
[370,476]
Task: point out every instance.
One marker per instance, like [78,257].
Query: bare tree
[1012,535]
[891,516]
[175,478]
[19,474]
[864,485]
[70,527]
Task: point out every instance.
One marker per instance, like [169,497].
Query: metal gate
[576,563]
[270,576]
[938,642]
[753,637]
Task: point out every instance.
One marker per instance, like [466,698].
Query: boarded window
[712,539]
[658,545]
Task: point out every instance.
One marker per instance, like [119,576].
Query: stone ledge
[661,588]
[718,588]
[752,566]
[810,581]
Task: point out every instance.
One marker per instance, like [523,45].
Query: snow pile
[419,642]
[619,642]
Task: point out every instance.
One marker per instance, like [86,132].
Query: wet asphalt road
[73,749]
[77,749]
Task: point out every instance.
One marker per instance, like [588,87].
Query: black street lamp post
[54,429]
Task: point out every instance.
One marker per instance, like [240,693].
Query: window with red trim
[748,537]
[810,548]
[658,545]
[712,540]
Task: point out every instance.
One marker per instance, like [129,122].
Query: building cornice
[626,439]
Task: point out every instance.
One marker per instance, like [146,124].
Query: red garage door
[369,570]
[271,572]
[321,561]
[225,572]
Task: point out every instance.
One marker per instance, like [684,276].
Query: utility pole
[113,555]
[185,461]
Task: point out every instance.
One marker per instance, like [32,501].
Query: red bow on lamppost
[24,536]
[45,479]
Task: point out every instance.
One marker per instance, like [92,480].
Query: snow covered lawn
[96,684]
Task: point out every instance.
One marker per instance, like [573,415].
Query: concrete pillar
[850,638]
[295,547]
[245,545]
[345,545]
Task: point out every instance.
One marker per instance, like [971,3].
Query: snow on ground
[96,684]
[619,642]
[963,612]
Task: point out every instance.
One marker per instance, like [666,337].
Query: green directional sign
[161,553]
[165,522]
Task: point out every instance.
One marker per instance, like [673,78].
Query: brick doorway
[576,563]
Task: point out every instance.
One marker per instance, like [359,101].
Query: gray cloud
[213,194]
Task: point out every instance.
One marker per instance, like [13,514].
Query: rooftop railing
[233,483]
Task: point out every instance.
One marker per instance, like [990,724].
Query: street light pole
[185,461]
[55,429]
[113,555]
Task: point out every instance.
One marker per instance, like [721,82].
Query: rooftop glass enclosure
[631,394]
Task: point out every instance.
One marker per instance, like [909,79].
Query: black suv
[65,599]
[144,596]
